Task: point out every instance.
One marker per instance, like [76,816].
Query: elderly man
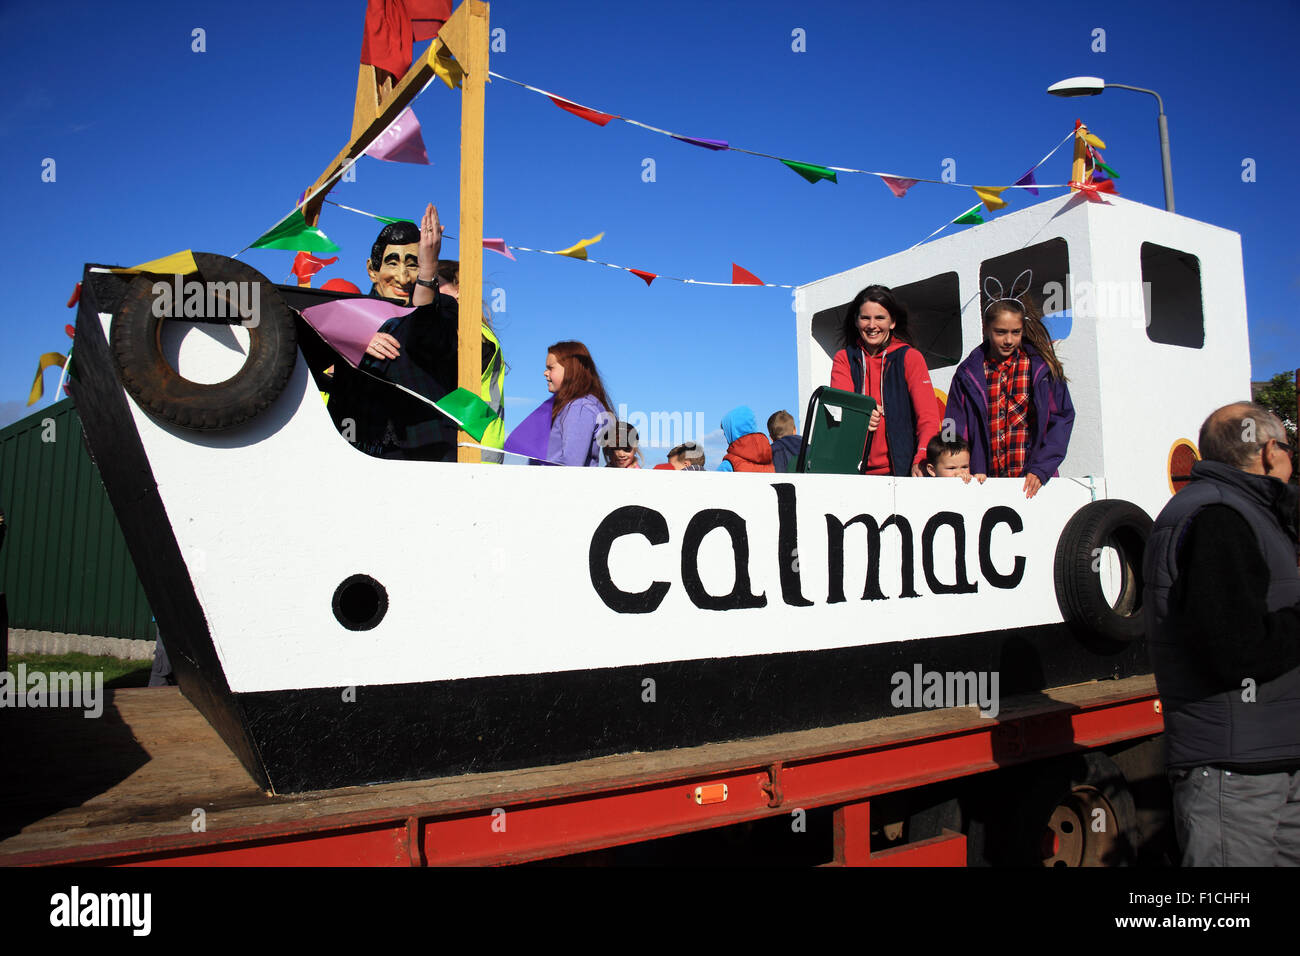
[1223,631]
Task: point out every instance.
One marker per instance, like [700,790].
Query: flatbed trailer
[151,783]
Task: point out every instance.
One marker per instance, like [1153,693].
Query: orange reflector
[712,793]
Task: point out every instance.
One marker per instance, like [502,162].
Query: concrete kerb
[23,641]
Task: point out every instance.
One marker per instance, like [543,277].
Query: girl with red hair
[580,410]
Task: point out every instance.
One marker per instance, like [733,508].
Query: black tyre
[136,343]
[1126,528]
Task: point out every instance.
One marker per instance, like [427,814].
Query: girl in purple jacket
[1009,398]
[580,412]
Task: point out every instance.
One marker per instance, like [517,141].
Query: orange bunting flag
[579,249]
[990,196]
[647,276]
[48,360]
[593,116]
[741,276]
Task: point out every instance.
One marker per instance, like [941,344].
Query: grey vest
[1203,723]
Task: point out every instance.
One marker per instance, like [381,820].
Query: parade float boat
[524,616]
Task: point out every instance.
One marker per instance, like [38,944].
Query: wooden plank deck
[139,771]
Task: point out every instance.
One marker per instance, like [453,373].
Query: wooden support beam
[466,35]
[381,115]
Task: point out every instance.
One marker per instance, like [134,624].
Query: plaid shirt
[1011,414]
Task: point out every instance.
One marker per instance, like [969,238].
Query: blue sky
[159,148]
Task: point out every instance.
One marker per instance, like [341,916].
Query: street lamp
[1092,86]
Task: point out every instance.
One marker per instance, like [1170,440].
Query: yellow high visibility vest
[493,392]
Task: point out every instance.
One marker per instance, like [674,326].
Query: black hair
[400,233]
[881,295]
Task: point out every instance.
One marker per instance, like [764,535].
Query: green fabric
[810,172]
[970,217]
[1109,172]
[469,411]
[294,233]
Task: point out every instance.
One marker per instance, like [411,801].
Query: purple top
[574,438]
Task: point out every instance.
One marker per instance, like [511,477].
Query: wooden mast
[467,33]
[378,104]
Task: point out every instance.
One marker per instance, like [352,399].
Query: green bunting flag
[294,233]
[971,217]
[469,411]
[1109,172]
[810,172]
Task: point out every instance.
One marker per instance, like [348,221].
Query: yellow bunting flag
[447,69]
[178,263]
[579,249]
[38,387]
[990,196]
[1093,141]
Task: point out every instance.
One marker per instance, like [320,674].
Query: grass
[117,672]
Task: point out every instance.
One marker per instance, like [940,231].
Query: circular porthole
[360,603]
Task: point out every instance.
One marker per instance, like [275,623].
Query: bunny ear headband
[993,289]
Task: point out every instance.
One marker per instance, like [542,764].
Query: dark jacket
[785,449]
[1222,605]
[968,407]
[386,421]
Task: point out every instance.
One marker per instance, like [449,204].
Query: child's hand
[917,471]
[981,478]
[875,419]
[1032,484]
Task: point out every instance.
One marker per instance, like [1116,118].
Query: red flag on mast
[392,25]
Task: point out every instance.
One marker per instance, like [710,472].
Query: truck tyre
[136,344]
[1116,524]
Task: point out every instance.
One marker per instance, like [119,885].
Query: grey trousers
[1223,818]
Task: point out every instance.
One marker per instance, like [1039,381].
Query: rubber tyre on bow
[136,343]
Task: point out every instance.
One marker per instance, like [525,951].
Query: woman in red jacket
[879,360]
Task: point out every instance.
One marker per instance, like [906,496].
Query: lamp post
[1094,85]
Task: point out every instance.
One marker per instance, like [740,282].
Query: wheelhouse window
[1174,313]
[933,318]
[1049,264]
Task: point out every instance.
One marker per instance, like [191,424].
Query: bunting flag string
[499,245]
[972,217]
[812,172]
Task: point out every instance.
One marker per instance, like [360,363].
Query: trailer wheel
[1095,529]
[136,343]
[1073,811]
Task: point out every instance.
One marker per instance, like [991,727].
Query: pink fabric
[348,325]
[401,142]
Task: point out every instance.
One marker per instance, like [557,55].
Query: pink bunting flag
[499,246]
[401,142]
[348,325]
[898,185]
